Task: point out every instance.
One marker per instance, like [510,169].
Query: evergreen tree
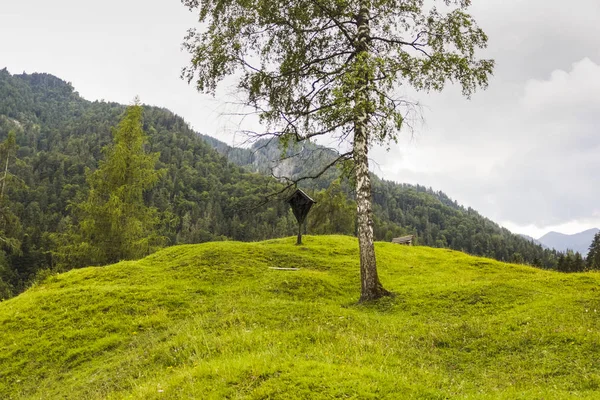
[578,263]
[561,264]
[114,222]
[571,262]
[593,257]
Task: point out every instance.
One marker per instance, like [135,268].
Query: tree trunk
[371,288]
[299,240]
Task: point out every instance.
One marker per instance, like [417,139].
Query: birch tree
[333,67]
[8,151]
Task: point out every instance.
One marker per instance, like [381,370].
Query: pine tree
[114,221]
[578,263]
[561,264]
[593,257]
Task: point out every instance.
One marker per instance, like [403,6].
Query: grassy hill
[213,321]
[201,197]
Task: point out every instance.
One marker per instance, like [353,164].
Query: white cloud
[528,157]
[566,94]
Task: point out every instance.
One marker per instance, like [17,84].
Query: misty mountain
[531,239]
[577,242]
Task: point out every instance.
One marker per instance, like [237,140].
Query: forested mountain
[201,196]
[399,209]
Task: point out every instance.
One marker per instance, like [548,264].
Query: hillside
[202,196]
[578,242]
[60,135]
[399,208]
[213,321]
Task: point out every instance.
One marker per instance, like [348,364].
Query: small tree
[578,263]
[593,256]
[114,221]
[318,67]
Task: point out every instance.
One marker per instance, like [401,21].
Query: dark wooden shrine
[301,204]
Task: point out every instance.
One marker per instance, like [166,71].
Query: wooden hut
[406,240]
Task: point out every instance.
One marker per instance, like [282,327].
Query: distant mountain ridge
[532,239]
[579,242]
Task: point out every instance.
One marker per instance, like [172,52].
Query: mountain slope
[60,135]
[202,197]
[213,321]
[578,242]
[399,209]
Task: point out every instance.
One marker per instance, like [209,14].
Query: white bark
[371,288]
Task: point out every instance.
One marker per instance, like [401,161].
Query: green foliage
[114,221]
[399,209]
[213,321]
[10,225]
[302,63]
[8,150]
[593,257]
[201,197]
[333,212]
[6,277]
[570,262]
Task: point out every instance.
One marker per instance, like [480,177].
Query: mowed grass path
[213,321]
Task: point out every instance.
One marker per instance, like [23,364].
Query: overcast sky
[525,153]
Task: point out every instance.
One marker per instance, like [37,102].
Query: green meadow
[216,321]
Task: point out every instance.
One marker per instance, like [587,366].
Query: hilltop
[213,321]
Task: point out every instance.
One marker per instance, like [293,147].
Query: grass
[212,321]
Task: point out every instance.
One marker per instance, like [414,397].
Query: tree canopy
[313,67]
[593,256]
[301,62]
[114,222]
